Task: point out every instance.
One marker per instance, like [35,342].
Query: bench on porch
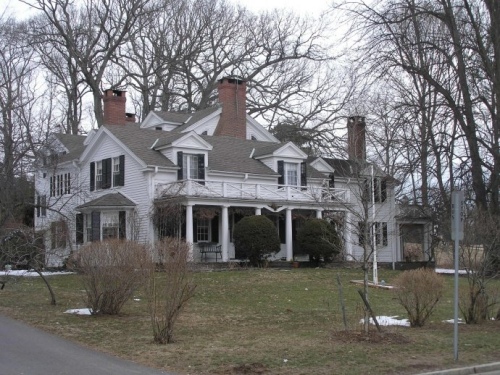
[210,248]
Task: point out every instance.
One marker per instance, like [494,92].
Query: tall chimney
[232,96]
[114,107]
[356,138]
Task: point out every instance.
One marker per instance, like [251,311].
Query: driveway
[28,351]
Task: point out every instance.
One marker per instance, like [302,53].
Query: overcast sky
[303,7]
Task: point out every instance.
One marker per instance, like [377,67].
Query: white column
[318,214]
[258,211]
[225,234]
[189,229]
[289,240]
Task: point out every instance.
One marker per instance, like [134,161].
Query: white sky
[301,7]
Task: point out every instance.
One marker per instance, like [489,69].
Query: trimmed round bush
[256,238]
[319,239]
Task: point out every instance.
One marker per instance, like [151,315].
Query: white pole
[374,239]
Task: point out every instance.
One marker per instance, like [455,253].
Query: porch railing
[252,191]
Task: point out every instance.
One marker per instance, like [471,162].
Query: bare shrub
[170,289]
[418,291]
[111,271]
[477,302]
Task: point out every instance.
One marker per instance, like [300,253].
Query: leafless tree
[88,34]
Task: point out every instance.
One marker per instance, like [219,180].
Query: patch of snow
[31,273]
[85,311]
[388,321]
[450,271]
[453,321]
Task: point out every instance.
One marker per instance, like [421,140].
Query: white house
[217,165]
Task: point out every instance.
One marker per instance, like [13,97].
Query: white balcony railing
[252,191]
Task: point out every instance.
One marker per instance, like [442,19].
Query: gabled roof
[110,200]
[140,141]
[73,144]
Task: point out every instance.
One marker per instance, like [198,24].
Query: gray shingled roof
[139,141]
[353,168]
[233,155]
[108,200]
[186,119]
[74,144]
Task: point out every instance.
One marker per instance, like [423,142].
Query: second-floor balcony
[252,191]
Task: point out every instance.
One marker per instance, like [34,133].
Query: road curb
[495,366]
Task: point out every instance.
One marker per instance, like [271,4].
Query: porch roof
[108,200]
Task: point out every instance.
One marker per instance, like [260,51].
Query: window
[191,166]
[380,234]
[379,229]
[116,171]
[107,173]
[98,175]
[88,227]
[291,174]
[379,190]
[60,184]
[203,230]
[110,225]
[41,206]
[58,232]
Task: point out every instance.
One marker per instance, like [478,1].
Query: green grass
[262,321]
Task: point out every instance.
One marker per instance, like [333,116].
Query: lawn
[262,321]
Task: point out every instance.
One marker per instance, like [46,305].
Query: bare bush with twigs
[418,291]
[170,289]
[111,272]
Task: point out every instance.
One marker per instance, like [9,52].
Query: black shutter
[122,229]
[92,177]
[180,165]
[383,191]
[79,228]
[96,226]
[376,189]
[121,178]
[281,172]
[331,182]
[215,229]
[303,175]
[201,168]
[38,206]
[107,173]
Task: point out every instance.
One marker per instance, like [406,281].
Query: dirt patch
[372,337]
[246,369]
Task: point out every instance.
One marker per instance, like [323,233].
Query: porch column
[258,211]
[189,229]
[225,233]
[289,240]
[319,214]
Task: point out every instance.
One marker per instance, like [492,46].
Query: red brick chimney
[356,138]
[114,107]
[232,96]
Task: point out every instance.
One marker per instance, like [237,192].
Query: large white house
[217,165]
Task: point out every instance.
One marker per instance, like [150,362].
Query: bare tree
[88,36]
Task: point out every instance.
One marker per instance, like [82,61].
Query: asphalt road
[28,351]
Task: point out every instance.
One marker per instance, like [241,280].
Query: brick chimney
[114,107]
[232,96]
[356,138]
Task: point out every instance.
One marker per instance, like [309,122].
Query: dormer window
[158,128]
[191,166]
[292,174]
